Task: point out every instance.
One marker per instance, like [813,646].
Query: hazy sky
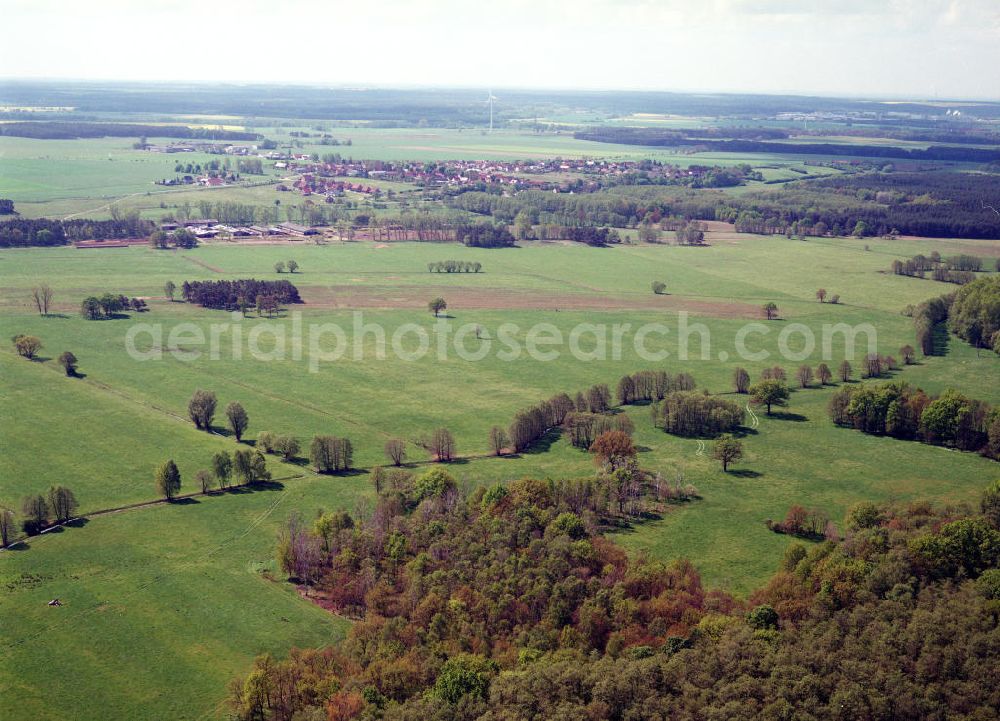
[915,48]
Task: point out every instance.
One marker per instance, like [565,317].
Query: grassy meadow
[184,593]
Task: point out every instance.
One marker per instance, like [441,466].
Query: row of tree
[454,266]
[896,409]
[39,512]
[109,305]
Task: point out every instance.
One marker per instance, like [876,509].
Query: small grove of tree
[584,427]
[437,305]
[62,503]
[741,380]
[442,445]
[237,419]
[69,362]
[498,440]
[776,373]
[769,393]
[690,413]
[813,524]
[108,306]
[726,450]
[330,454]
[659,287]
[168,480]
[651,386]
[395,451]
[770,310]
[27,346]
[201,409]
[531,424]
[42,295]
[896,409]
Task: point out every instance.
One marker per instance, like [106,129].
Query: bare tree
[498,440]
[845,371]
[823,373]
[804,375]
[741,380]
[442,445]
[395,451]
[42,295]
[6,526]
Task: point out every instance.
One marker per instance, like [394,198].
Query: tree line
[454,266]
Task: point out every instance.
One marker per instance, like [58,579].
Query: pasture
[170,601]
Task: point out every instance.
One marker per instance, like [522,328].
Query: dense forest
[742,141]
[71,130]
[508,604]
[24,232]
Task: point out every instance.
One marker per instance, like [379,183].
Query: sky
[920,49]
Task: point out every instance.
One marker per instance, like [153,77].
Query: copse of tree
[926,317]
[168,480]
[531,424]
[647,385]
[690,413]
[27,346]
[584,427]
[108,306]
[237,419]
[395,451]
[726,450]
[237,294]
[898,410]
[201,409]
[330,454]
[812,524]
[975,313]
[769,393]
[776,373]
[484,235]
[250,467]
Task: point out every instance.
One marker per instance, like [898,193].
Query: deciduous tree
[498,440]
[201,409]
[769,393]
[741,380]
[68,361]
[168,480]
[727,449]
[442,445]
[237,419]
[27,346]
[436,306]
[395,451]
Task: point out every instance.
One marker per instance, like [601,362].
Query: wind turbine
[490,97]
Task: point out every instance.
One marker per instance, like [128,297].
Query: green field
[172,601]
